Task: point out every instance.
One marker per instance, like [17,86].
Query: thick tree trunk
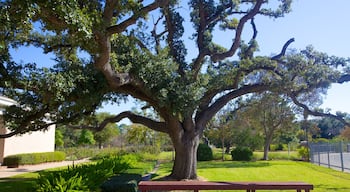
[185,164]
[266,151]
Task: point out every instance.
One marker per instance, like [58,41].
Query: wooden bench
[145,186]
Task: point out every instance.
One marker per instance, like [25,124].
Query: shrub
[204,153]
[303,153]
[75,153]
[278,147]
[84,177]
[33,158]
[242,154]
[122,183]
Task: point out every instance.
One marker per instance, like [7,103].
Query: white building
[35,142]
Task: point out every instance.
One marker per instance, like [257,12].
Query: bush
[204,153]
[242,154]
[278,147]
[303,153]
[33,158]
[122,183]
[75,153]
[85,177]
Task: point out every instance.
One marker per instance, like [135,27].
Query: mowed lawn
[323,179]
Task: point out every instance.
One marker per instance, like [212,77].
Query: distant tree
[106,135]
[86,138]
[345,134]
[272,114]
[110,131]
[59,138]
[220,133]
[233,128]
[70,136]
[139,135]
[330,127]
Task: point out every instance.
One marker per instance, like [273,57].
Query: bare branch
[132,20]
[108,11]
[344,78]
[204,116]
[237,40]
[252,46]
[157,36]
[284,49]
[316,113]
[152,124]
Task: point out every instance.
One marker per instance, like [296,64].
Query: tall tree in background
[271,113]
[105,136]
[107,50]
[330,127]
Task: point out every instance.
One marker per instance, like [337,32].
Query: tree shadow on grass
[16,184]
[231,164]
[326,187]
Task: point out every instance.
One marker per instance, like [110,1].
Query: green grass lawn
[323,179]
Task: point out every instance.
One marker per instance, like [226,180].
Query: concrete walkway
[9,172]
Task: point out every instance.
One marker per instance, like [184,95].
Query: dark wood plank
[206,185]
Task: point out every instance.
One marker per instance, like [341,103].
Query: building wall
[31,142]
[35,142]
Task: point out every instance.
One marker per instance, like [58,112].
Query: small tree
[86,138]
[58,138]
[105,136]
[270,113]
[345,134]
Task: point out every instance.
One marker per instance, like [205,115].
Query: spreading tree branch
[152,124]
[344,78]
[132,19]
[237,39]
[283,51]
[317,113]
[202,117]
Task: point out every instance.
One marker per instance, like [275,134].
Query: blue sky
[323,24]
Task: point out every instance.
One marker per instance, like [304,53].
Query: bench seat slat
[206,185]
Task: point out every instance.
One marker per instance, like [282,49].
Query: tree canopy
[107,50]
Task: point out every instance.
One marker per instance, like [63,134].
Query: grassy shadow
[16,184]
[232,164]
[326,187]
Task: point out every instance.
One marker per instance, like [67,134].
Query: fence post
[341,156]
[311,151]
[329,161]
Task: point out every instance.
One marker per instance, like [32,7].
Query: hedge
[126,182]
[204,153]
[33,158]
[242,154]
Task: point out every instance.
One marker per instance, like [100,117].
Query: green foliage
[122,183]
[277,155]
[86,138]
[85,177]
[278,147]
[74,153]
[304,153]
[58,138]
[34,158]
[204,152]
[242,154]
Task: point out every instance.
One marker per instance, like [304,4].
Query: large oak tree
[108,50]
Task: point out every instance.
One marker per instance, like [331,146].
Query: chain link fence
[331,155]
